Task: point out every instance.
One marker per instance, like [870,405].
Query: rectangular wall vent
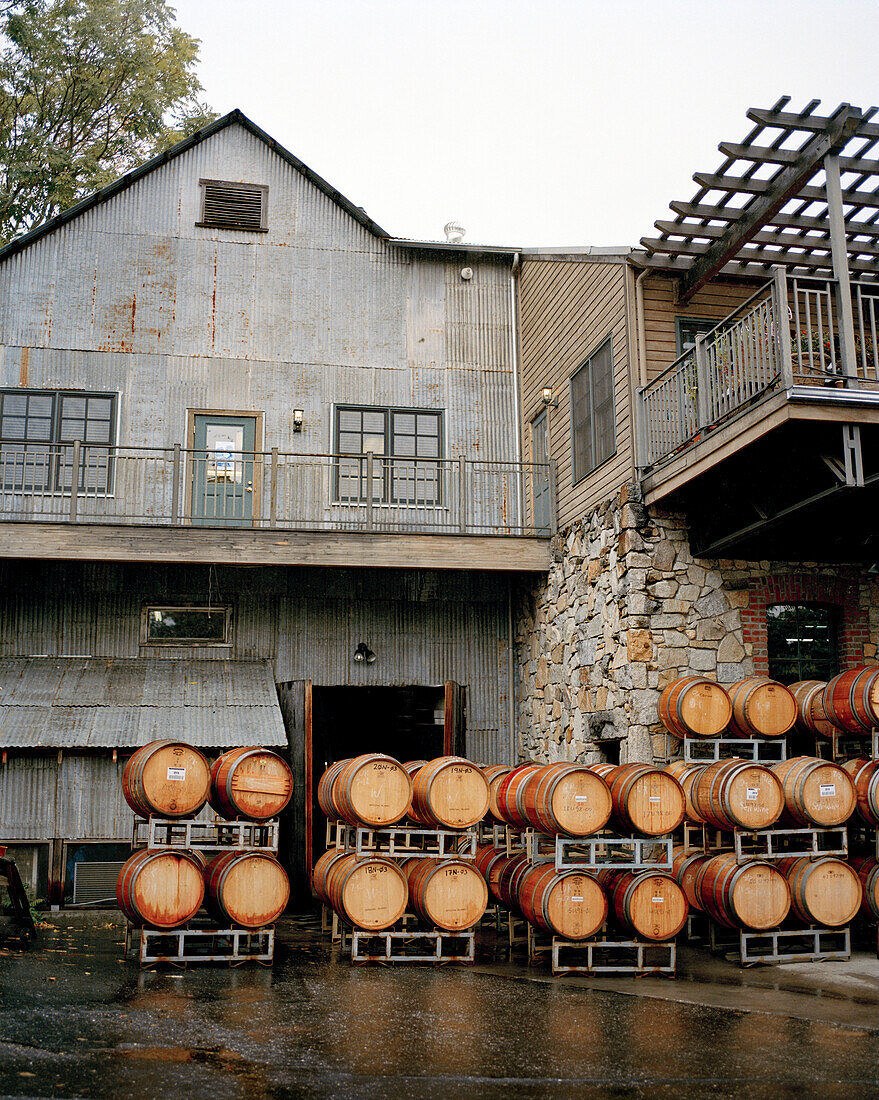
[94,882]
[233,205]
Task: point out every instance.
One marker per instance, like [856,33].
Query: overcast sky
[563,122]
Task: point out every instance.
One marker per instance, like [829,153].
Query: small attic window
[227,205]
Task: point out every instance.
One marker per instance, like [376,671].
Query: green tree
[88,90]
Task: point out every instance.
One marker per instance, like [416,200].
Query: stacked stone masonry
[626,609]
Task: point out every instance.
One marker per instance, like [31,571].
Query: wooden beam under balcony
[245,546]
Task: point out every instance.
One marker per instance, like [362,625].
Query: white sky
[561,122]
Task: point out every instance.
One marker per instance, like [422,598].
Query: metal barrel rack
[604,953]
[708,750]
[406,841]
[781,945]
[768,844]
[408,945]
[591,853]
[205,836]
[846,746]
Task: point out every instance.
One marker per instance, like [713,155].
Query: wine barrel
[736,793]
[449,793]
[686,772]
[495,774]
[511,793]
[570,904]
[368,893]
[865,776]
[508,872]
[250,889]
[565,798]
[695,707]
[253,782]
[851,700]
[761,708]
[412,766]
[488,863]
[811,715]
[161,887]
[816,792]
[325,788]
[684,868]
[448,893]
[867,868]
[649,904]
[753,895]
[646,800]
[166,779]
[823,890]
[372,789]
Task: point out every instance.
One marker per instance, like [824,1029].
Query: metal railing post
[370,521]
[175,487]
[553,508]
[703,403]
[74,480]
[462,495]
[782,321]
[273,490]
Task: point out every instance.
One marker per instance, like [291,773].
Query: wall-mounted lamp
[546,397]
[363,654]
[298,416]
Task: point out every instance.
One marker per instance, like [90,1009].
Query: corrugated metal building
[241,427]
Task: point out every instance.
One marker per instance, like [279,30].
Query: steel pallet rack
[841,746]
[408,945]
[781,945]
[772,843]
[406,841]
[600,850]
[603,953]
[709,750]
[204,836]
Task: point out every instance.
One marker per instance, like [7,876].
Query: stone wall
[626,609]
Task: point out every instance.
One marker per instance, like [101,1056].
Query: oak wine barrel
[371,789]
[368,893]
[686,772]
[488,862]
[811,715]
[563,798]
[694,706]
[252,782]
[685,866]
[448,893]
[495,774]
[823,890]
[412,766]
[865,776]
[761,707]
[867,868]
[649,904]
[646,799]
[325,788]
[449,793]
[166,779]
[570,904]
[735,793]
[851,700]
[250,889]
[753,895]
[511,793]
[508,871]
[161,887]
[816,792]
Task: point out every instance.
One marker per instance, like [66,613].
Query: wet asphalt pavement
[78,1021]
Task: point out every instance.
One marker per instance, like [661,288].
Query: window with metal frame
[226,205]
[406,445]
[802,641]
[184,625]
[593,428]
[688,328]
[37,432]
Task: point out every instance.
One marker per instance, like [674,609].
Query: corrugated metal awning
[109,702]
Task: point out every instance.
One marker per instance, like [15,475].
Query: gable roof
[126,181]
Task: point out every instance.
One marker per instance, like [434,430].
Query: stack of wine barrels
[756,707]
[164,887]
[557,799]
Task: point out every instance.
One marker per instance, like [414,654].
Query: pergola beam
[862,165]
[788,120]
[692,245]
[788,182]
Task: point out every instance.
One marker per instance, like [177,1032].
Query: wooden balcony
[79,501]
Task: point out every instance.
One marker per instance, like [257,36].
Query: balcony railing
[81,483]
[786,334]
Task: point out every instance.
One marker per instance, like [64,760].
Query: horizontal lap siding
[568,309]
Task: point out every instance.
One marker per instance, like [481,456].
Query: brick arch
[853,622]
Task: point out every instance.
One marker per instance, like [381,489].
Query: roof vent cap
[454,232]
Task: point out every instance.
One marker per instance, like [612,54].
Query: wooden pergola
[801,191]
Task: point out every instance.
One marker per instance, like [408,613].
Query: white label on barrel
[657,899]
[654,798]
[177,774]
[752,794]
[576,899]
[827,790]
[581,797]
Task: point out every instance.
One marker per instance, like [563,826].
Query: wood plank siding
[568,308]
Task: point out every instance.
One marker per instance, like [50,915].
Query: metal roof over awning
[119,703]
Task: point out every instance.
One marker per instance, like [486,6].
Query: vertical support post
[553,507]
[462,495]
[370,522]
[273,489]
[74,480]
[782,321]
[642,448]
[845,319]
[703,404]
[175,487]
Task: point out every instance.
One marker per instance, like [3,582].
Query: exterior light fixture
[546,397]
[298,416]
[363,654]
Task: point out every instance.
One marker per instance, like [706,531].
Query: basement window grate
[233,205]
